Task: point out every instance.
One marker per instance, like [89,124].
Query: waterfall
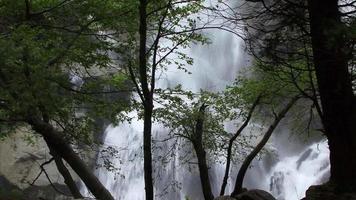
[291,176]
[285,175]
[215,66]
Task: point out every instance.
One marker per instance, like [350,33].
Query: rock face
[326,192]
[9,190]
[250,195]
[21,154]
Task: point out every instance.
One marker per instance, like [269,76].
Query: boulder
[255,195]
[326,192]
[249,195]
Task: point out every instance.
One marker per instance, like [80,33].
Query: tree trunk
[147,153]
[55,140]
[147,102]
[68,180]
[243,169]
[330,52]
[231,142]
[197,141]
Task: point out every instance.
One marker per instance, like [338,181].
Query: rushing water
[291,176]
[286,174]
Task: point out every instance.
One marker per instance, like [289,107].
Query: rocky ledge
[327,192]
[249,195]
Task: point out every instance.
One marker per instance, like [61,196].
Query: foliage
[49,48]
[172,27]
[178,111]
[277,84]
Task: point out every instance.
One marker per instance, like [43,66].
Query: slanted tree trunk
[243,169]
[331,55]
[68,180]
[231,142]
[55,140]
[197,140]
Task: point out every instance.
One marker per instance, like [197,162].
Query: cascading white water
[291,176]
[215,66]
[125,182]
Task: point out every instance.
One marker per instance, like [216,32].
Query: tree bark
[148,153]
[68,180]
[147,102]
[330,52]
[243,169]
[56,141]
[231,142]
[197,141]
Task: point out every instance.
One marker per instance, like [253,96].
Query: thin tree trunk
[56,141]
[258,148]
[197,141]
[68,180]
[231,142]
[331,55]
[148,154]
[147,102]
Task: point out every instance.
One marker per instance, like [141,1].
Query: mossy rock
[13,194]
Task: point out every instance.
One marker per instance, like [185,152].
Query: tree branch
[231,142]
[260,145]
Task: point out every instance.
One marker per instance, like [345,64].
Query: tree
[243,169]
[46,44]
[332,51]
[275,100]
[231,143]
[325,29]
[197,141]
[68,179]
[56,141]
[161,21]
[187,116]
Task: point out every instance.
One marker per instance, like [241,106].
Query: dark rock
[46,191]
[303,157]
[255,195]
[327,192]
[6,184]
[249,195]
[9,191]
[224,198]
